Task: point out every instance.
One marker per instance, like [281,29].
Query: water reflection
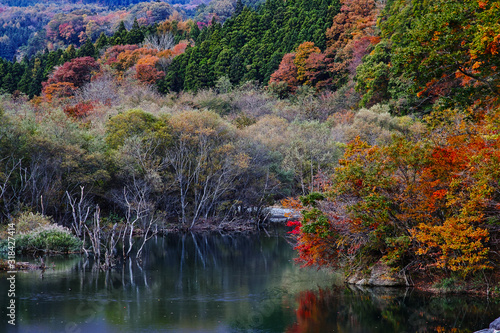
[224,283]
[356,310]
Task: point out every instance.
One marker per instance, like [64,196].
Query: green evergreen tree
[87,49]
[120,35]
[25,81]
[69,54]
[238,8]
[101,42]
[35,87]
[135,35]
[191,81]
[195,31]
[9,84]
[237,70]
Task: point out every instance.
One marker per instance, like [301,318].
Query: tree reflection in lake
[225,283]
[356,310]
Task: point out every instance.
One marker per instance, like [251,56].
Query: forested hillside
[250,45]
[381,117]
[27,27]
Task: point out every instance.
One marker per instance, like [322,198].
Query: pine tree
[238,8]
[69,54]
[135,35]
[120,35]
[24,83]
[35,87]
[87,49]
[195,31]
[102,41]
[237,70]
[9,84]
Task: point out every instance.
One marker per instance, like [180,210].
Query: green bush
[28,221]
[48,238]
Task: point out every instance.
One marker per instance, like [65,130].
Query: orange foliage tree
[57,90]
[146,71]
[414,203]
[348,40]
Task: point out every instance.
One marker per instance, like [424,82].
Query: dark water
[221,283]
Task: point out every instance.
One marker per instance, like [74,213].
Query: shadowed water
[223,283]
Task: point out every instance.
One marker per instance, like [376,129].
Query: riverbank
[21,266]
[381,275]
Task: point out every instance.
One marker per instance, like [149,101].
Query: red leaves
[431,203]
[297,225]
[79,110]
[287,72]
[77,71]
[307,66]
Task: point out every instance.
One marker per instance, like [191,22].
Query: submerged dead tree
[102,240]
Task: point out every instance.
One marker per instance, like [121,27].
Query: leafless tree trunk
[80,211]
[94,233]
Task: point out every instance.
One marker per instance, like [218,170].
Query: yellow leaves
[436,35]
[476,65]
[303,52]
[460,245]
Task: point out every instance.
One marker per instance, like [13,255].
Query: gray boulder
[494,327]
[495,324]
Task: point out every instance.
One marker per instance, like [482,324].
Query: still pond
[225,283]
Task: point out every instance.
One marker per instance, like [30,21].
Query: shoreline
[424,283]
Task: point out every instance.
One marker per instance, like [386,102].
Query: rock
[380,275]
[277,214]
[495,324]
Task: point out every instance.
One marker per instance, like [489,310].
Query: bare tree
[161,42]
[80,210]
[5,184]
[102,240]
[204,162]
[102,89]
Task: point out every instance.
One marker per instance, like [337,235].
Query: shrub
[48,238]
[29,221]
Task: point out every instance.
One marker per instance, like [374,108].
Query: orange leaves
[148,74]
[146,71]
[148,60]
[179,48]
[287,72]
[307,66]
[58,90]
[439,194]
[129,58]
[412,203]
[144,60]
[482,4]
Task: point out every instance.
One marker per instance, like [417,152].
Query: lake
[225,283]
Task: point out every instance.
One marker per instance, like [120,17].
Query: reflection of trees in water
[181,276]
[247,282]
[386,310]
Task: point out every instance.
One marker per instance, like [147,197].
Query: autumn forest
[377,120]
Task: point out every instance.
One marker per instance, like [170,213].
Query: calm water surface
[222,283]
